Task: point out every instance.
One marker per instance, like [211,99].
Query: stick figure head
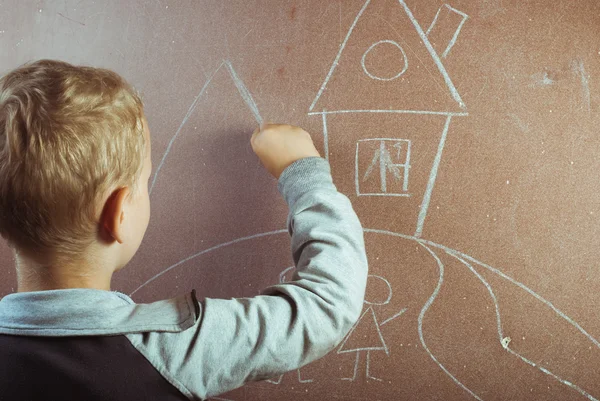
[379,291]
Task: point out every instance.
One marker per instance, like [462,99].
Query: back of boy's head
[68,136]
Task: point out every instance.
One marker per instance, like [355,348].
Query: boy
[74,206]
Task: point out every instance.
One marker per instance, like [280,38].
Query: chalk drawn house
[386,105]
[388,77]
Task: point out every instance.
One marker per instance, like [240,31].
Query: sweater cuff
[302,176]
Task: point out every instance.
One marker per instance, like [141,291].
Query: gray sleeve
[288,325]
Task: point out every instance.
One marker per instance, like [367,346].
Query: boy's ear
[113,215]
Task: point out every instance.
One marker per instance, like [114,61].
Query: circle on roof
[403,63]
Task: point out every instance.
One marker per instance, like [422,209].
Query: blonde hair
[68,135]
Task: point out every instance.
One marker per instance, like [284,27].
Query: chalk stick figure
[368,323]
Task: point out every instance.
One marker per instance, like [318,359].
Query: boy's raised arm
[291,324]
[294,323]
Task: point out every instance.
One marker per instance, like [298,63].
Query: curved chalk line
[493,270]
[489,288]
[513,281]
[235,241]
[422,314]
[520,285]
[284,272]
[501,335]
[449,251]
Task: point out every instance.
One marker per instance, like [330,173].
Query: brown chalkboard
[465,134]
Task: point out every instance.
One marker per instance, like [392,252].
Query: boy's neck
[31,276]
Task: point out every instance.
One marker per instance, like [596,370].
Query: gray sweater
[207,347]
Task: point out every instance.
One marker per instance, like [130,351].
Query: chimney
[445,28]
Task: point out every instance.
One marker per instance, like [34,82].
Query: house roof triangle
[426,86]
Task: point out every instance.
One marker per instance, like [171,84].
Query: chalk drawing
[373,76]
[382,157]
[422,315]
[280,378]
[368,318]
[542,79]
[456,33]
[235,241]
[393,317]
[431,182]
[389,287]
[437,15]
[520,285]
[337,58]
[436,59]
[429,245]
[283,274]
[187,116]
[579,69]
[434,55]
[325,137]
[386,164]
[244,93]
[455,36]
[503,340]
[434,113]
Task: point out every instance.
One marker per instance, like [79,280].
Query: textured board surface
[465,135]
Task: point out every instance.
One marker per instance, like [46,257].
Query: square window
[382,167]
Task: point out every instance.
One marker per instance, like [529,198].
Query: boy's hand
[279,145]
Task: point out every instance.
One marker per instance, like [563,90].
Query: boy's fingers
[266,124]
